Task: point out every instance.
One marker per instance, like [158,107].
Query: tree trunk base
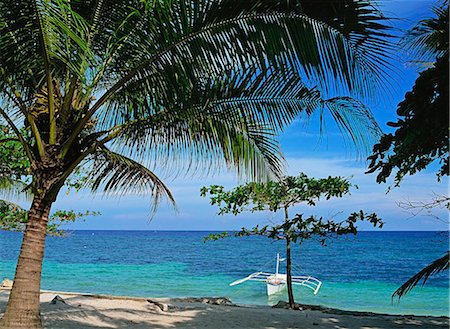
[23,309]
[286,305]
[22,320]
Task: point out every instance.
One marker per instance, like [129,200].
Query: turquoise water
[359,273]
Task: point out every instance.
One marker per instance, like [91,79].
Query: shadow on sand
[92,312]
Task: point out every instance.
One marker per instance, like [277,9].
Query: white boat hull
[276,284]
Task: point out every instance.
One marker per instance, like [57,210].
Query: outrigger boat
[276,282]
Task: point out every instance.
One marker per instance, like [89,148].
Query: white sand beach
[97,311]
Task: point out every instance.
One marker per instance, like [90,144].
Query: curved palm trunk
[23,309]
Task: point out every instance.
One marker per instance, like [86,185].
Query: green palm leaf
[200,29]
[428,40]
[203,142]
[39,36]
[117,174]
[355,121]
[439,265]
[212,127]
[163,57]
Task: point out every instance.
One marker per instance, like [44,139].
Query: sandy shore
[94,311]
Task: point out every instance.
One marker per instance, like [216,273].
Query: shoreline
[83,310]
[310,307]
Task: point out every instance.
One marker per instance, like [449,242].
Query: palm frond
[220,119]
[439,265]
[19,43]
[13,189]
[355,121]
[220,114]
[269,97]
[114,173]
[37,37]
[204,78]
[187,40]
[429,39]
[203,142]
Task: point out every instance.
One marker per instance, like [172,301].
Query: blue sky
[305,152]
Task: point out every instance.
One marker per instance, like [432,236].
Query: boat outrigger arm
[277,282]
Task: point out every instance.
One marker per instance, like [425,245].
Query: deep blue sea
[358,273]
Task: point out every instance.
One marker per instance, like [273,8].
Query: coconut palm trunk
[24,296]
[23,309]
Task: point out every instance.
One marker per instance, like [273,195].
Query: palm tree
[119,86]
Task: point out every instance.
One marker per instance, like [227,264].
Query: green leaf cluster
[14,218]
[14,165]
[14,182]
[12,156]
[274,195]
[421,134]
[300,228]
[284,194]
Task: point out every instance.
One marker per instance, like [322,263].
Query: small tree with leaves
[15,218]
[282,195]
